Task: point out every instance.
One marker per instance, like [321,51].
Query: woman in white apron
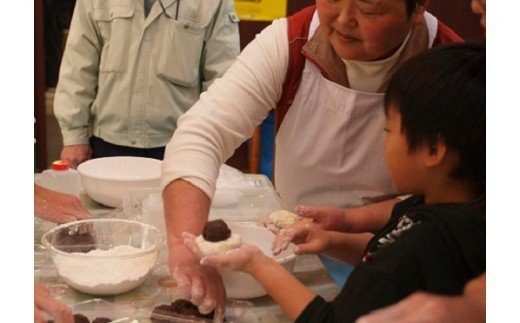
[328,148]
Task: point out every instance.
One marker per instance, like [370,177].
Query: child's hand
[274,227]
[325,217]
[189,241]
[241,259]
[307,237]
[269,224]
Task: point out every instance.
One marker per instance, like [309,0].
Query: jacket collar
[157,10]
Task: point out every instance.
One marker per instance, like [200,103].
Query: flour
[98,272]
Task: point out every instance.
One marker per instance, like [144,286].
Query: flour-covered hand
[325,217]
[44,302]
[201,285]
[189,242]
[269,224]
[307,237]
[58,207]
[240,259]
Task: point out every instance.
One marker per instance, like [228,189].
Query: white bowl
[107,180]
[87,266]
[240,285]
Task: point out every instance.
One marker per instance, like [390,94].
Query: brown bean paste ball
[215,231]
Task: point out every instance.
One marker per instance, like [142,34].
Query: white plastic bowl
[107,180]
[240,285]
[102,274]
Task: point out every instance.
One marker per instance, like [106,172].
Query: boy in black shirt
[435,240]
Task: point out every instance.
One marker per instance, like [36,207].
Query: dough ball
[283,218]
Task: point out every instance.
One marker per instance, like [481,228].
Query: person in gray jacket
[131,68]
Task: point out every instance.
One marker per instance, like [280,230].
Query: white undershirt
[368,76]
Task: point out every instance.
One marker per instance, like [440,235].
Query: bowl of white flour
[104,256]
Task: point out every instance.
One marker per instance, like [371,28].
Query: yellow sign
[261,10]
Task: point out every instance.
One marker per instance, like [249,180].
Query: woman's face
[366,30]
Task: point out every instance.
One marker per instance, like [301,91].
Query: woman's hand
[307,237]
[201,285]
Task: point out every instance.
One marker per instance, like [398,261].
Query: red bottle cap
[60,165]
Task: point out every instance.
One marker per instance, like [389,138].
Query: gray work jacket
[127,79]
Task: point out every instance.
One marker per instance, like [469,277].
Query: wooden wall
[458,16]
[40,129]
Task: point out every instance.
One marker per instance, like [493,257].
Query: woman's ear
[436,153]
[418,12]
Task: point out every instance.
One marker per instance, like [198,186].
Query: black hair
[412,4]
[441,94]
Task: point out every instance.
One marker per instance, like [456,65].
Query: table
[136,305]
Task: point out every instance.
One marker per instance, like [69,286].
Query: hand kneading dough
[283,218]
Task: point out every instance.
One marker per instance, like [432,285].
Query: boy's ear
[418,12]
[436,152]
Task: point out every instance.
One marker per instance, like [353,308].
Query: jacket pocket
[179,60]
[114,24]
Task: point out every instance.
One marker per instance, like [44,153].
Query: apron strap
[298,26]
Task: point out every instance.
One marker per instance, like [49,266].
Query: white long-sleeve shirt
[228,112]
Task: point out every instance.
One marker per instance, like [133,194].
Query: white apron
[329,148]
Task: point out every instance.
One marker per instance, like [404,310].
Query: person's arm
[57,207]
[78,81]
[287,291]
[309,238]
[282,286]
[348,248]
[225,116]
[228,112]
[186,209]
[368,218]
[222,45]
[424,308]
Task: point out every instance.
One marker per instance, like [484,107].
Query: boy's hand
[269,224]
[243,259]
[325,217]
[239,259]
[307,237]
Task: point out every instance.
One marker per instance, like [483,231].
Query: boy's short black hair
[412,4]
[441,94]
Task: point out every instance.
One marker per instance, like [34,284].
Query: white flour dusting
[105,276]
